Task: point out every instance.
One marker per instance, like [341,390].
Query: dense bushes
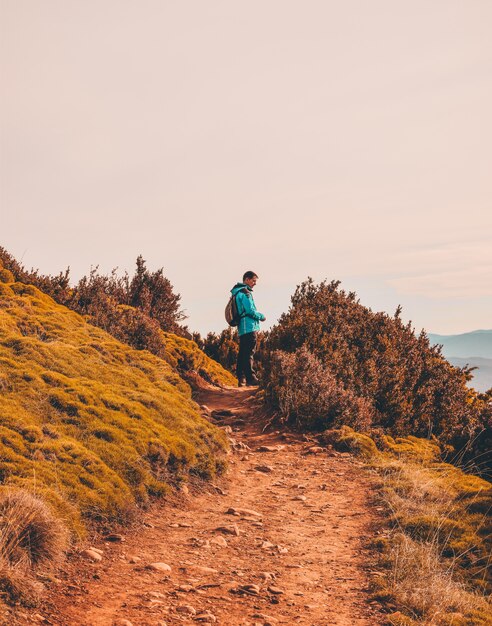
[142,311]
[309,394]
[396,379]
[222,347]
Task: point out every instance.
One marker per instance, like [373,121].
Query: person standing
[248,327]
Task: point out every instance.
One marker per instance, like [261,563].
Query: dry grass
[437,551]
[31,537]
[424,585]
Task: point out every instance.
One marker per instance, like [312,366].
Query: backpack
[231,312]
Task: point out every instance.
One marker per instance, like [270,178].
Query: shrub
[308,394]
[406,385]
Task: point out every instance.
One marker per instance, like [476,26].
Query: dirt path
[294,556]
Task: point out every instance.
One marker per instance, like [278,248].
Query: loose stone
[91,555]
[159,567]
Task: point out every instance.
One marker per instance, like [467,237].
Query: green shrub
[405,385]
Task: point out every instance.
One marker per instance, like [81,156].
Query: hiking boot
[253,382]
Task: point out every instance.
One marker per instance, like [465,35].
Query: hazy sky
[336,139]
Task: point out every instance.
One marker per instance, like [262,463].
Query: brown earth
[295,555]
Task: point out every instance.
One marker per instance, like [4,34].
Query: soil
[292,551]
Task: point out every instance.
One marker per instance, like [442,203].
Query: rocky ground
[278,540]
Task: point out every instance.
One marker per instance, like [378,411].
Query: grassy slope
[185,354]
[88,423]
[439,548]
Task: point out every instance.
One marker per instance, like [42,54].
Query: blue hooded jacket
[250,317]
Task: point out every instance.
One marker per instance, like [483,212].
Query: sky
[338,140]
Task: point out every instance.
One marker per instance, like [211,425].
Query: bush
[308,394]
[404,383]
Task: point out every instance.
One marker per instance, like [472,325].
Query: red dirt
[312,571]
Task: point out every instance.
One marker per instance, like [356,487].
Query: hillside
[91,425]
[482,376]
[473,349]
[477,343]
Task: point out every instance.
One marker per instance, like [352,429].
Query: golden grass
[184,355]
[87,423]
[438,550]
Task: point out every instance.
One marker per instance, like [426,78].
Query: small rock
[156,594]
[314,450]
[229,530]
[184,489]
[266,469]
[159,567]
[204,408]
[266,618]
[275,590]
[39,618]
[301,498]
[186,608]
[134,559]
[249,512]
[222,413]
[206,617]
[185,588]
[219,541]
[269,448]
[250,589]
[218,489]
[267,545]
[122,622]
[115,537]
[91,555]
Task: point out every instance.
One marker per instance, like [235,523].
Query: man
[248,328]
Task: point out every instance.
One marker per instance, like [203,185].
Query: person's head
[250,278]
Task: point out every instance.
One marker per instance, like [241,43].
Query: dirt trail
[298,557]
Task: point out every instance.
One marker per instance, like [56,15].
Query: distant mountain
[482,377]
[477,344]
[474,349]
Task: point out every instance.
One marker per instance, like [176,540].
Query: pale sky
[345,140]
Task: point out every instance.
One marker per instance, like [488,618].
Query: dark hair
[249,275]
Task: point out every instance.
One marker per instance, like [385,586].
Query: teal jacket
[250,317]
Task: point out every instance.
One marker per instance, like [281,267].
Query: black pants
[245,366]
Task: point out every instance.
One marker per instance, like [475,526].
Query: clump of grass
[437,552]
[422,582]
[31,537]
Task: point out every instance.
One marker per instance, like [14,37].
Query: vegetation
[437,550]
[332,361]
[222,347]
[31,538]
[142,311]
[186,357]
[87,423]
